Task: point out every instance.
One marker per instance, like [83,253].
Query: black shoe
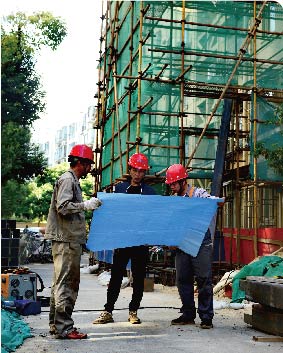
[182,320]
[207,324]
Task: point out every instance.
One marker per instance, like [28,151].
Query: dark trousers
[199,269]
[138,256]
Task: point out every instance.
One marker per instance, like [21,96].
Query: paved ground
[229,335]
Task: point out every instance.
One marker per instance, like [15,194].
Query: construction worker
[189,268]
[66,228]
[138,166]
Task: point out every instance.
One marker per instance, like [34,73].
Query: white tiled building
[57,146]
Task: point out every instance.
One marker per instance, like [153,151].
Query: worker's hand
[221,204]
[92,204]
[172,248]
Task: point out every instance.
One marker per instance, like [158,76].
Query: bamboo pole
[133,4]
[111,56]
[140,74]
[201,84]
[201,24]
[153,145]
[217,56]
[255,190]
[114,59]
[157,77]
[182,74]
[118,122]
[182,139]
[238,202]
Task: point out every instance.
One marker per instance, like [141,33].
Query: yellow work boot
[104,318]
[133,318]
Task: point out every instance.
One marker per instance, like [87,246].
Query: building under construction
[198,83]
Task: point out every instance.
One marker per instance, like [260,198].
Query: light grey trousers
[65,285]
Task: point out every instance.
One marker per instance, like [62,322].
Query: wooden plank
[266,292]
[248,319]
[265,279]
[268,338]
[267,320]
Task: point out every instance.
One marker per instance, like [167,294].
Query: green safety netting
[13,331]
[162,57]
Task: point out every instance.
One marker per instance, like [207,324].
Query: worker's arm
[69,199]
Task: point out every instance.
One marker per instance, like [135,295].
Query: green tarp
[268,266]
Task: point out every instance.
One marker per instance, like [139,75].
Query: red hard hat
[82,151]
[138,161]
[175,172]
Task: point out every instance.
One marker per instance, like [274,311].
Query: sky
[69,74]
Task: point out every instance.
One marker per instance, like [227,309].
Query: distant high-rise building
[57,147]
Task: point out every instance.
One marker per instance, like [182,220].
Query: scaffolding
[165,69]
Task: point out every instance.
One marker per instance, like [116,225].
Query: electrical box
[18,286]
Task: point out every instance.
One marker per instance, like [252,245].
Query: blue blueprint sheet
[128,220]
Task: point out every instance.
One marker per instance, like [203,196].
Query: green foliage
[20,158]
[277,118]
[13,197]
[50,175]
[31,201]
[274,153]
[22,96]
[39,29]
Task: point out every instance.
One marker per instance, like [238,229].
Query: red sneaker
[75,335]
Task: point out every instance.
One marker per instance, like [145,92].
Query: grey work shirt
[66,218]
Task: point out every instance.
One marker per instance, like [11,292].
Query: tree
[273,153]
[22,99]
[21,159]
[35,204]
[13,197]
[22,96]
